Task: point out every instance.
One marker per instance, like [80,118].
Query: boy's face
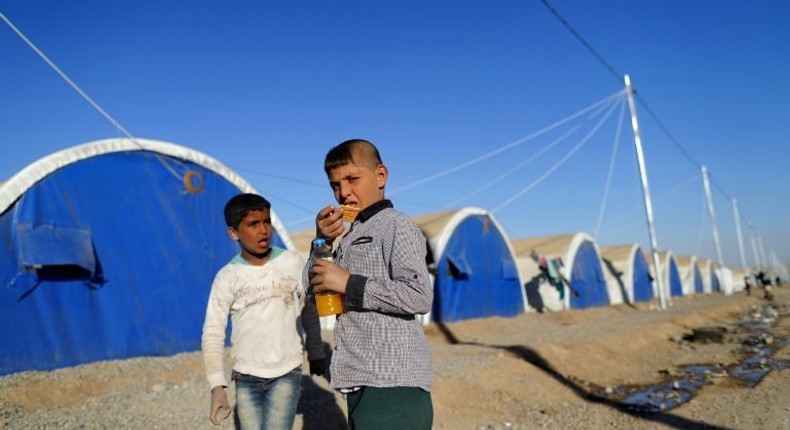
[254,234]
[358,185]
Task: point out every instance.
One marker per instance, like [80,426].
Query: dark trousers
[396,408]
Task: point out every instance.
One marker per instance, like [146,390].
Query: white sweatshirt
[265,304]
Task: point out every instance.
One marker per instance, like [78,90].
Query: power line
[666,131]
[71,83]
[513,170]
[510,145]
[285,178]
[557,165]
[611,170]
[719,187]
[84,95]
[567,25]
[642,101]
[618,76]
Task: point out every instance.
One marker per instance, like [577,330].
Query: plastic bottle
[327,302]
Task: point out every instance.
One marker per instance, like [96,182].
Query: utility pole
[712,215]
[753,237]
[646,194]
[761,249]
[740,235]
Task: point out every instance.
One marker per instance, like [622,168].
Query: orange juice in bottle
[327,302]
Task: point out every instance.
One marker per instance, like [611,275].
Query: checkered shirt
[378,341]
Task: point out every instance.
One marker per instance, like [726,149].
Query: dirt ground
[554,370]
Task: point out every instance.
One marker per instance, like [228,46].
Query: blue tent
[643,282]
[581,266]
[670,275]
[699,286]
[689,274]
[109,250]
[587,276]
[715,286]
[710,275]
[475,270]
[628,270]
[675,284]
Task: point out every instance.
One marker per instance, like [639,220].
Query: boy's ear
[381,175]
[233,234]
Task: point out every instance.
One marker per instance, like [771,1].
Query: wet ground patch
[755,350]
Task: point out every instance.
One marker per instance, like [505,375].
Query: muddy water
[755,347]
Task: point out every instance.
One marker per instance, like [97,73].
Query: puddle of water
[671,393]
[684,382]
[752,370]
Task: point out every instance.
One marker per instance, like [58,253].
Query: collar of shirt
[373,209]
[276,251]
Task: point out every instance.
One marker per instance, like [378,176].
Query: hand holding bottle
[327,279]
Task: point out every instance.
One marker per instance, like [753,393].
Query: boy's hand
[317,367]
[329,223]
[220,409]
[328,276]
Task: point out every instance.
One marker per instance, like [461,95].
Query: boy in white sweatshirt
[262,290]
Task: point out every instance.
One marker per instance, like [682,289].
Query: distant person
[763,279]
[381,361]
[262,291]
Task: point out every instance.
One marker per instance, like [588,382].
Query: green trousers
[396,408]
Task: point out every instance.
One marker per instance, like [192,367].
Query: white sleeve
[213,338]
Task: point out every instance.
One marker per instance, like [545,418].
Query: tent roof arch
[15,187]
[439,227]
[687,266]
[668,262]
[564,246]
[621,258]
[443,232]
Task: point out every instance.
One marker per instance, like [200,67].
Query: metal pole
[712,215]
[761,249]
[753,237]
[646,194]
[739,234]
[775,262]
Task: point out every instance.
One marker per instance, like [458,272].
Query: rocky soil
[567,370]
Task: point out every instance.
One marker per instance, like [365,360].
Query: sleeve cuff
[217,379]
[355,291]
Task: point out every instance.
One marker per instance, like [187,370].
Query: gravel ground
[531,371]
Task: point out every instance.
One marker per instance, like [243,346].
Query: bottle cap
[318,242]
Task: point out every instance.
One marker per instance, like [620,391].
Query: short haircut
[357,151]
[240,205]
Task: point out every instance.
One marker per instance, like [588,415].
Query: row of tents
[109,249]
[479,272]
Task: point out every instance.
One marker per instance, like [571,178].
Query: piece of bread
[349,213]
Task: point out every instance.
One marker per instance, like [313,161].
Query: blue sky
[268,87]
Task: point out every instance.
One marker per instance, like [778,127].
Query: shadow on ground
[532,357]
